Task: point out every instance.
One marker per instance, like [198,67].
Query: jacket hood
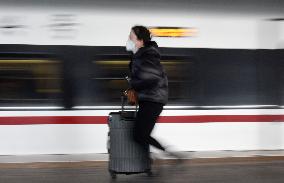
[151,43]
[151,48]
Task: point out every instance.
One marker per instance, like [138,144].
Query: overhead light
[173,31]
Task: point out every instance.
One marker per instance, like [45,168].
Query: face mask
[130,46]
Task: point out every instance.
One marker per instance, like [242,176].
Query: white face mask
[130,46]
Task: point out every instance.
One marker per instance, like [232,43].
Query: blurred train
[225,93]
[240,90]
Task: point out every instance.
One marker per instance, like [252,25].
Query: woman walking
[149,80]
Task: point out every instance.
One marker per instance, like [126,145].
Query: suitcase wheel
[112,174]
[149,173]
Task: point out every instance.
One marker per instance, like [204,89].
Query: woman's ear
[140,43]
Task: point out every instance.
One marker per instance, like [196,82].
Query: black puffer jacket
[148,77]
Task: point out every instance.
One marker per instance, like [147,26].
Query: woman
[149,80]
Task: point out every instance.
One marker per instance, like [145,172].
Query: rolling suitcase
[125,155]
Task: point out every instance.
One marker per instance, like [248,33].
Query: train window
[280,79]
[242,79]
[30,82]
[182,76]
[108,79]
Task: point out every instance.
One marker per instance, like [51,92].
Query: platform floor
[260,169]
[104,157]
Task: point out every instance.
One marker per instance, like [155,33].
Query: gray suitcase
[125,155]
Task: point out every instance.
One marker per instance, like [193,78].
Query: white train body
[83,129]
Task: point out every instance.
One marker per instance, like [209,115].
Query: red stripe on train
[31,120]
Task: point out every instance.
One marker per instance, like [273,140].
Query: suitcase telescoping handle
[122,102]
[123,97]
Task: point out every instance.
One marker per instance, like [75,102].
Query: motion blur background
[62,64]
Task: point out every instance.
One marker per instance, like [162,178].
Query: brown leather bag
[132,97]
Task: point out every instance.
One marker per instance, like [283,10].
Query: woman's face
[138,43]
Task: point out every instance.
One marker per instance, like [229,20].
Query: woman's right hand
[127,79]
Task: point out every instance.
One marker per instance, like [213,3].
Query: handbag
[132,98]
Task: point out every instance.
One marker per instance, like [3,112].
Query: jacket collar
[149,49]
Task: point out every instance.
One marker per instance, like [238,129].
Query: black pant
[146,118]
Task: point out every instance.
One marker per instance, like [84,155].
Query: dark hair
[142,33]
